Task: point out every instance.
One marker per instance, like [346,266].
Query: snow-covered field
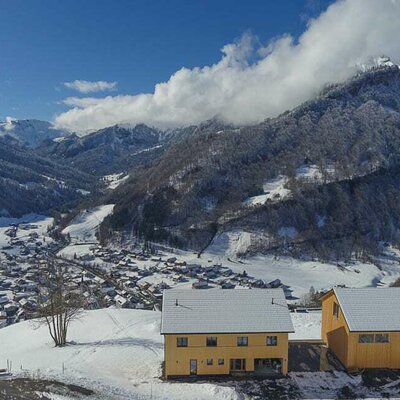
[118,354]
[114,352]
[85,225]
[114,180]
[300,275]
[275,189]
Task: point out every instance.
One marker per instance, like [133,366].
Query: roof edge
[223,333]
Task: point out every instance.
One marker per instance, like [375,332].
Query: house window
[209,361]
[272,340]
[221,361]
[336,310]
[211,341]
[366,338]
[238,364]
[242,341]
[181,342]
[382,338]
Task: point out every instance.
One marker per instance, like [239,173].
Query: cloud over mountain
[249,82]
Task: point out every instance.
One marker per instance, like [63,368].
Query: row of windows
[371,338]
[211,341]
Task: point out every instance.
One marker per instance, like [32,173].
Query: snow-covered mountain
[30,132]
[206,184]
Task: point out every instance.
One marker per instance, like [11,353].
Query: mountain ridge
[184,198]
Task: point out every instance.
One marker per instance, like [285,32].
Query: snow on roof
[370,309]
[225,311]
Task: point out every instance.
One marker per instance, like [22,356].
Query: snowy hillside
[85,225]
[300,275]
[114,352]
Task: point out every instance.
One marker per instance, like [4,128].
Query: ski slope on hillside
[115,352]
[84,226]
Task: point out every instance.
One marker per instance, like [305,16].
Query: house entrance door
[193,367]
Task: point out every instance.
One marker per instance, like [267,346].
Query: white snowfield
[275,189]
[117,353]
[84,226]
[114,180]
[300,275]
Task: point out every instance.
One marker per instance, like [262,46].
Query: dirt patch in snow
[32,389]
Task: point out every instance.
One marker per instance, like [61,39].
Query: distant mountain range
[111,150]
[30,132]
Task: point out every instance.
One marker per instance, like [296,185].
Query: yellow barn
[362,326]
[223,332]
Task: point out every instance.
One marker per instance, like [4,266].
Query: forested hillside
[110,150]
[200,185]
[29,183]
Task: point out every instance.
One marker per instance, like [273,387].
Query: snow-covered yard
[118,354]
[307,325]
[112,351]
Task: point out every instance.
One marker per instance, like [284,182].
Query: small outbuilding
[362,326]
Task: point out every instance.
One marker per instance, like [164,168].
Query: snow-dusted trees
[58,305]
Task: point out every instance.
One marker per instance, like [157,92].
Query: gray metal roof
[370,309]
[225,311]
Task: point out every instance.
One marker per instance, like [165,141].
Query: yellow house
[362,326]
[221,331]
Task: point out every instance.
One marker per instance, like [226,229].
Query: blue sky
[45,43]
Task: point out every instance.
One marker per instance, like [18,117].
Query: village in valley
[122,288]
[106,277]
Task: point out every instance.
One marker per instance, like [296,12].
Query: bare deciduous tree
[58,304]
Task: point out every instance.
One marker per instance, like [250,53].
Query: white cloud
[90,87]
[9,124]
[286,73]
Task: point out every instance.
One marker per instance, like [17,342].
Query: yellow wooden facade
[178,359]
[345,344]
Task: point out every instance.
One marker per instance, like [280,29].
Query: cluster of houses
[106,277]
[207,332]
[144,276]
[227,332]
[20,261]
